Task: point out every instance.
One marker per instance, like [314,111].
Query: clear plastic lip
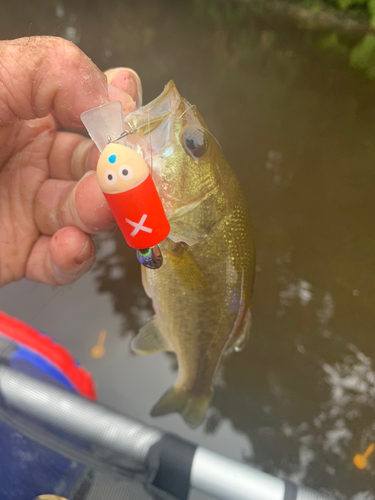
[105,123]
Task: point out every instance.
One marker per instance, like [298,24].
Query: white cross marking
[138,226]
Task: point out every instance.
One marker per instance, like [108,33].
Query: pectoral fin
[192,407]
[188,271]
[150,339]
[184,227]
[194,221]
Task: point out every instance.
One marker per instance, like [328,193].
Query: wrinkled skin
[48,206]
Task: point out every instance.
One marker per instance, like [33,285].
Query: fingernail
[83,254]
[80,158]
[128,81]
[73,203]
[87,174]
[115,94]
[94,217]
[82,262]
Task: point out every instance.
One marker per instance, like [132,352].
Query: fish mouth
[152,134]
[165,102]
[145,119]
[149,128]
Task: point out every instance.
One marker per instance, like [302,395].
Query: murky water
[298,128]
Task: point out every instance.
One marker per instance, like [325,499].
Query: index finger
[40,75]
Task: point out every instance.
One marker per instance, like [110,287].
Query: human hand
[49,200]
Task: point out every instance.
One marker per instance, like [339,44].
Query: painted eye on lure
[110,177]
[125,172]
[194,142]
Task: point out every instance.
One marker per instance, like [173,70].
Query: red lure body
[140,215]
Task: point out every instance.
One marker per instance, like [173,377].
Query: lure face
[120,169]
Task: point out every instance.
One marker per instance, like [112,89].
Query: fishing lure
[126,182]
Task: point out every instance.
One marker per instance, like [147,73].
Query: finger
[72,156]
[50,74]
[62,258]
[62,203]
[128,81]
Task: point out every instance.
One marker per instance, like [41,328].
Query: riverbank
[317,15]
[348,33]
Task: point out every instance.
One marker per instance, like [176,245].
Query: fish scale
[201,295]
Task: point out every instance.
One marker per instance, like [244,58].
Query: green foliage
[346,4]
[332,42]
[364,5]
[371,8]
[363,55]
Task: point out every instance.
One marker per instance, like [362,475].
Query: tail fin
[192,408]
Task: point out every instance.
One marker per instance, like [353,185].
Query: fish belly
[200,296]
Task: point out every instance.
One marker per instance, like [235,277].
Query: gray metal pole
[226,479]
[79,417]
[208,472]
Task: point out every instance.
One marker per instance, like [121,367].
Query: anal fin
[150,339]
[239,339]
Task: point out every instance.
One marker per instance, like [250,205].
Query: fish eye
[125,172]
[110,177]
[194,142]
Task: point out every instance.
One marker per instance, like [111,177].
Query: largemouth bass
[201,294]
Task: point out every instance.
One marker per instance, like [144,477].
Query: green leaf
[363,54]
[371,8]
[332,42]
[345,4]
